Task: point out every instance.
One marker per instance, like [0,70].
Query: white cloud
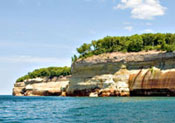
[129,28]
[142,9]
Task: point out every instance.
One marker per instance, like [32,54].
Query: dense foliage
[134,43]
[47,72]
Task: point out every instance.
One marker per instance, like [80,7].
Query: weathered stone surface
[41,87]
[111,74]
[111,62]
[93,94]
[101,73]
[153,81]
[103,85]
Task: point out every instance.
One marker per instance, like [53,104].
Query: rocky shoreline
[42,87]
[112,74]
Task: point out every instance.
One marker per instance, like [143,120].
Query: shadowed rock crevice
[152,92]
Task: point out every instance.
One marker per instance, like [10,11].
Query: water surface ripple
[84,109]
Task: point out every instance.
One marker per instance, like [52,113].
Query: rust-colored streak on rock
[152,79]
[144,76]
[131,80]
[137,80]
[168,80]
[155,80]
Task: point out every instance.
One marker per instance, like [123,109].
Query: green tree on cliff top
[134,43]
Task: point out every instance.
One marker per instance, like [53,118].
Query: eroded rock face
[111,62]
[105,76]
[41,87]
[153,82]
[102,85]
[114,74]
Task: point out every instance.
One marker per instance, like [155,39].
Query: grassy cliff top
[134,43]
[46,72]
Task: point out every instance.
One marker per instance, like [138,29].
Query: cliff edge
[110,74]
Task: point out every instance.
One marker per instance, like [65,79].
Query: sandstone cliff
[112,74]
[42,87]
[103,75]
[153,82]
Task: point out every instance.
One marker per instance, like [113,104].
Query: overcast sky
[42,33]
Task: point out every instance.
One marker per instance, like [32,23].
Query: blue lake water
[84,109]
